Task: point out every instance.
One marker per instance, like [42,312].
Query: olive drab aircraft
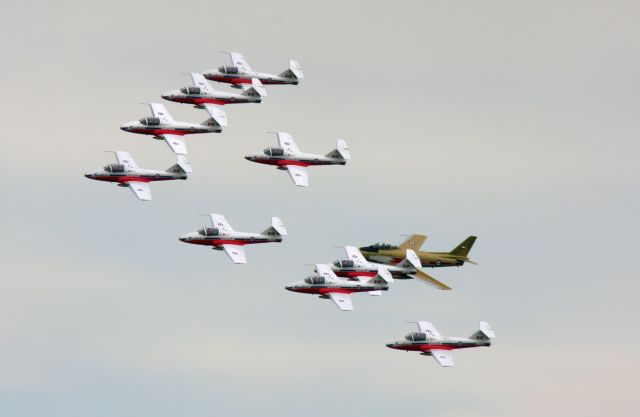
[162,126]
[239,72]
[127,174]
[356,267]
[222,237]
[203,96]
[288,157]
[385,253]
[328,285]
[429,342]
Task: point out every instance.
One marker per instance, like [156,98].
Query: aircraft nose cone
[183,238]
[391,345]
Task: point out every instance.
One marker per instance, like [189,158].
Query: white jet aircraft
[222,237]
[241,73]
[288,157]
[203,96]
[430,342]
[127,174]
[162,126]
[327,285]
[357,266]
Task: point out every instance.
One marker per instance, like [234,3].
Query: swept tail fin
[341,152]
[182,165]
[256,89]
[294,71]
[463,248]
[277,228]
[485,332]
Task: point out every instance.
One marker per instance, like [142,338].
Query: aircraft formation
[372,269]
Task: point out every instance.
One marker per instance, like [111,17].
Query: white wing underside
[238,61]
[199,81]
[343,301]
[429,330]
[221,223]
[140,190]
[176,143]
[161,112]
[443,357]
[217,113]
[354,254]
[286,142]
[299,175]
[125,159]
[236,253]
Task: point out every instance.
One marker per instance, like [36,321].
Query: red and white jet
[162,126]
[127,174]
[429,342]
[328,285]
[288,157]
[222,237]
[203,96]
[239,72]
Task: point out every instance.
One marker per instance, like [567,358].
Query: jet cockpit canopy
[208,231]
[379,246]
[190,90]
[344,263]
[314,279]
[114,168]
[416,337]
[228,69]
[150,121]
[274,151]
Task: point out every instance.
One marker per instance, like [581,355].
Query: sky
[513,121]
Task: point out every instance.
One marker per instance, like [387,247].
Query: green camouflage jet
[391,254]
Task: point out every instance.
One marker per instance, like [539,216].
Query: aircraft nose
[391,345]
[184,238]
[249,157]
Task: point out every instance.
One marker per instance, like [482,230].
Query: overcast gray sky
[513,121]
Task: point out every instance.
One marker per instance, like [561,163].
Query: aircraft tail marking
[463,249]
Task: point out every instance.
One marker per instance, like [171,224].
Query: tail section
[211,122]
[256,89]
[485,332]
[463,249]
[182,165]
[294,71]
[341,152]
[277,228]
[414,242]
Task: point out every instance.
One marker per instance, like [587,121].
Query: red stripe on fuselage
[220,242]
[158,132]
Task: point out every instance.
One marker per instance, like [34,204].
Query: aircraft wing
[217,113]
[286,142]
[428,279]
[326,271]
[140,189]
[176,143]
[413,242]
[238,61]
[343,301]
[429,329]
[220,222]
[236,253]
[443,357]
[299,175]
[125,159]
[354,254]
[161,112]
[199,81]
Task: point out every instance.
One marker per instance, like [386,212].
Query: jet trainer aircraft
[162,126]
[203,96]
[357,266]
[385,253]
[127,174]
[430,342]
[241,73]
[327,285]
[288,157]
[222,237]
